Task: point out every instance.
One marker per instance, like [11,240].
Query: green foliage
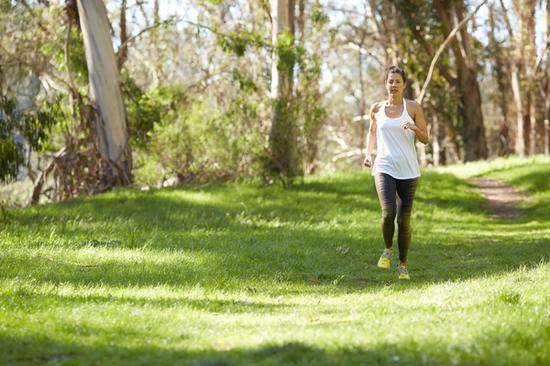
[10,159]
[5,5]
[287,52]
[54,48]
[33,125]
[10,151]
[238,42]
[246,84]
[318,16]
[147,108]
[199,141]
[78,58]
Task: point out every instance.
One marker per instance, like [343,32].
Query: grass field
[245,275]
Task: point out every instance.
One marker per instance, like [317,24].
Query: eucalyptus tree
[109,117]
[526,56]
[546,130]
[282,137]
[429,24]
[501,75]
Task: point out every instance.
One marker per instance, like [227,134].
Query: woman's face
[395,84]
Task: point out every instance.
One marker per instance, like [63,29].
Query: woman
[395,124]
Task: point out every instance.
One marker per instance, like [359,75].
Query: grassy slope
[237,274]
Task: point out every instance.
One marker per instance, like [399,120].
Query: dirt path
[503,199]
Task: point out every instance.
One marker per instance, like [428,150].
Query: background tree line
[96,94]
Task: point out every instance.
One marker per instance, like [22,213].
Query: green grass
[245,275]
[488,167]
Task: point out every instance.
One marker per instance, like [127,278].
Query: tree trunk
[475,145]
[547,99]
[518,75]
[109,125]
[438,133]
[123,52]
[155,38]
[503,86]
[387,29]
[309,90]
[282,138]
[526,48]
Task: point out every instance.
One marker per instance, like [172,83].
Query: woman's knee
[388,215]
[404,221]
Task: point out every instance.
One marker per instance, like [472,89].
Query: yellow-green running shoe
[403,273]
[385,259]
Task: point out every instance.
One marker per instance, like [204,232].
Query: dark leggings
[387,187]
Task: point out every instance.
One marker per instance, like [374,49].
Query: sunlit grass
[246,275]
[484,167]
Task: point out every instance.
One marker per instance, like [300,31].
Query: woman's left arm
[419,127]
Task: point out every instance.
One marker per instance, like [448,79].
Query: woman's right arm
[371,137]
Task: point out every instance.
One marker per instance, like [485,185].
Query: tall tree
[122,54]
[526,52]
[517,79]
[310,109]
[475,144]
[428,24]
[501,78]
[282,138]
[109,122]
[547,99]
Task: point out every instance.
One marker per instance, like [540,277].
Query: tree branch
[442,48]
[141,32]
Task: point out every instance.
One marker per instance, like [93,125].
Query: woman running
[395,124]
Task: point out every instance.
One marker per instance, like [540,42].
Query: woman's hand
[409,126]
[368,161]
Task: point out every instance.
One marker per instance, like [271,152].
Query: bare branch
[442,48]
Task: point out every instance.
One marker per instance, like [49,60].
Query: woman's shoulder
[412,106]
[375,107]
[412,103]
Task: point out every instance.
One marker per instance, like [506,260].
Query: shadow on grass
[178,300]
[314,202]
[153,211]
[300,271]
[537,181]
[487,349]
[263,237]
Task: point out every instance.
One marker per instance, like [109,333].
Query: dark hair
[395,70]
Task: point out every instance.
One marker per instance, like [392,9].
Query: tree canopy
[258,90]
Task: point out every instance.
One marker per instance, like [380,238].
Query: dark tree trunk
[282,138]
[475,144]
[473,132]
[546,139]
[123,52]
[503,86]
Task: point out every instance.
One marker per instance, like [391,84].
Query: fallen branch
[37,190]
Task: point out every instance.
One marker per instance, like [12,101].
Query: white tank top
[395,152]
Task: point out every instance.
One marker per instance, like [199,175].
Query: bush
[198,141]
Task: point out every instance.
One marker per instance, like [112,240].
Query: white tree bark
[110,127]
